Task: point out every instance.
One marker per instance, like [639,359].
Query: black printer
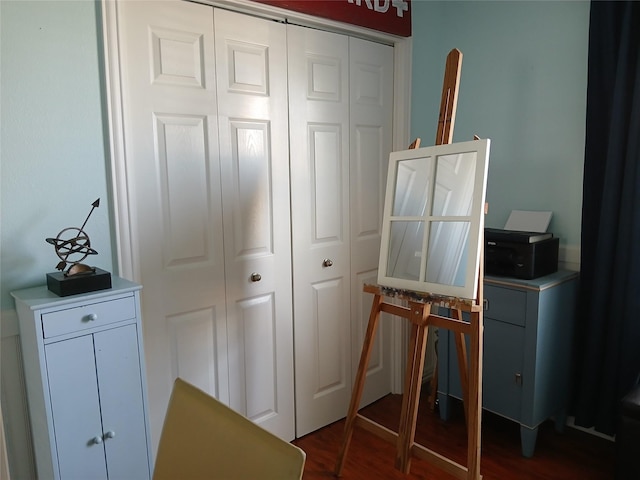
[517,254]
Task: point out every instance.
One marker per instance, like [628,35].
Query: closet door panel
[256,396]
[192,353]
[254,153]
[173,184]
[371,107]
[319,109]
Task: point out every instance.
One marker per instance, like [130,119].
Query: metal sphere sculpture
[72,246]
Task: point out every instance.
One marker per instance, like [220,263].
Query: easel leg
[412,387]
[433,394]
[475,397]
[461,351]
[358,386]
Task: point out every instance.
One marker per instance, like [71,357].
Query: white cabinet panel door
[98,435]
[123,424]
[170,116]
[251,63]
[75,407]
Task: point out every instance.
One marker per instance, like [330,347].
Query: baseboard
[571,422]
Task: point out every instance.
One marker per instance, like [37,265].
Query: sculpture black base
[64,286]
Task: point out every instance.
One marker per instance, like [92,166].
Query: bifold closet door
[319,139]
[370,140]
[173,183]
[217,107]
[206,134]
[254,155]
[340,104]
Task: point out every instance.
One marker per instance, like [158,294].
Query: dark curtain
[608,336]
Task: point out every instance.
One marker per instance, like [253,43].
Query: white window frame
[468,290]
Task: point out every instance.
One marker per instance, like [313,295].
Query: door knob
[256,277]
[92,317]
[327,262]
[97,440]
[110,434]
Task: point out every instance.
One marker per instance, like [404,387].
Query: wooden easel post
[356,395]
[473,404]
[449,98]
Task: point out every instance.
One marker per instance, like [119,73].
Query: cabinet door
[75,408]
[502,368]
[503,361]
[122,405]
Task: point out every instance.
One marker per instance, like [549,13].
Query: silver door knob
[327,262]
[256,277]
[110,434]
[97,440]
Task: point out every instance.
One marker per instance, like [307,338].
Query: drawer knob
[97,440]
[327,262]
[92,317]
[110,434]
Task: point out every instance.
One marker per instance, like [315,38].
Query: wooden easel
[419,314]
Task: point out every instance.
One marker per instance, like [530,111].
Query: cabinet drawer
[87,316]
[505,304]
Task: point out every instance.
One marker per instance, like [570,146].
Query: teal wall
[52,137]
[523,85]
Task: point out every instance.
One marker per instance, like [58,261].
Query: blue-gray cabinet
[85,378]
[528,338]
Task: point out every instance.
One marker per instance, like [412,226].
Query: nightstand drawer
[87,316]
[505,304]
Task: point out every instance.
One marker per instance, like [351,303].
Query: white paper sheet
[528,221]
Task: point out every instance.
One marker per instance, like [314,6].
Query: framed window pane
[434,218]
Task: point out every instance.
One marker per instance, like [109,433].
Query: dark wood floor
[571,455]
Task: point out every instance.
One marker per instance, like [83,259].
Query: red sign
[390,16]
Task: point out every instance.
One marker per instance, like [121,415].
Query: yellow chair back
[204,439]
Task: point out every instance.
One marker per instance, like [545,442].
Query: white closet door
[319,109]
[170,116]
[206,127]
[371,109]
[340,103]
[254,144]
